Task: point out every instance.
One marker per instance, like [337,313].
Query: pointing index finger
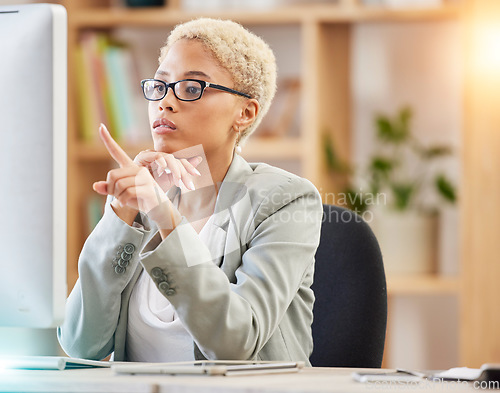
[114,148]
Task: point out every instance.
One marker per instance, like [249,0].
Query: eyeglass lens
[184,90]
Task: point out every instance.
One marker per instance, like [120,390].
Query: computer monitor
[33,162]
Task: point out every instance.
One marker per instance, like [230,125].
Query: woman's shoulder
[267,186]
[266,180]
[267,189]
[272,174]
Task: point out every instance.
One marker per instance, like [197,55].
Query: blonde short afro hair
[249,60]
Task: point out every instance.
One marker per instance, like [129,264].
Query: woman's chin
[163,147]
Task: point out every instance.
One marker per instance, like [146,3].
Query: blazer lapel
[231,191]
[226,236]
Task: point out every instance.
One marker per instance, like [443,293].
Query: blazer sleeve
[235,320]
[108,260]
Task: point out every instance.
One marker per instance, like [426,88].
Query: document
[48,363]
[209,367]
[487,372]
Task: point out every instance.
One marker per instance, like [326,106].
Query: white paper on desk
[459,373]
[48,363]
[384,377]
[210,367]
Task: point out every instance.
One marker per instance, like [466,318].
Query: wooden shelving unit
[263,148]
[425,284]
[325,35]
[160,17]
[325,29]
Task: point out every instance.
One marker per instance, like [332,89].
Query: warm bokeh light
[486,48]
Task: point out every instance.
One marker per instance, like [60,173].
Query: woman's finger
[114,148]
[100,187]
[114,175]
[162,165]
[123,187]
[190,167]
[195,161]
[174,165]
[186,177]
[146,157]
[129,198]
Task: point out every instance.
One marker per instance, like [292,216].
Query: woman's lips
[163,126]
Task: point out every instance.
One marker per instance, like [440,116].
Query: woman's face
[208,121]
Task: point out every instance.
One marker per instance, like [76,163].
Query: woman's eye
[160,88]
[193,90]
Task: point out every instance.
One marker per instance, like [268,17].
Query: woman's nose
[169,101]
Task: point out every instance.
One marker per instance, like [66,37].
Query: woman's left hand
[169,170]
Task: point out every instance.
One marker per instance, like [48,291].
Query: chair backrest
[350,311]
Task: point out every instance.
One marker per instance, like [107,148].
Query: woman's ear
[248,113]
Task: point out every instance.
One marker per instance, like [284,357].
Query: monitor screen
[33,129]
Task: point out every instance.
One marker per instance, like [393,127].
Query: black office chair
[350,311]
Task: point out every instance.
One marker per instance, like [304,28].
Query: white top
[154,332]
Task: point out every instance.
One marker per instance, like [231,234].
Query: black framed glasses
[184,90]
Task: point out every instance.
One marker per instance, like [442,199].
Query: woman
[199,254]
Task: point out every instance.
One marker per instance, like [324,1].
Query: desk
[309,380]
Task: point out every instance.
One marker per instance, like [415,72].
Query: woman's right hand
[135,190]
[168,170]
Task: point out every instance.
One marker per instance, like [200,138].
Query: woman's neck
[198,205]
[213,169]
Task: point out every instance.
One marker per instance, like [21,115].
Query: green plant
[400,168]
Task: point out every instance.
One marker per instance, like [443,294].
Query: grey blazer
[246,295]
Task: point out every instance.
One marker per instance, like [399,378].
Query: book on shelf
[279,122]
[107,82]
[87,105]
[94,210]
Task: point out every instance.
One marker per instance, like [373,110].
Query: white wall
[416,64]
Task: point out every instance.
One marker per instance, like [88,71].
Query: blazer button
[123,263]
[156,272]
[125,256]
[119,269]
[129,248]
[163,286]
[170,292]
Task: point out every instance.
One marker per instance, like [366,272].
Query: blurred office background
[393,54]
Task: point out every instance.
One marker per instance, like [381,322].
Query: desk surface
[308,380]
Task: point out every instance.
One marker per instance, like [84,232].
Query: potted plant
[399,192]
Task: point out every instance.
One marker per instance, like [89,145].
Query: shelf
[256,148]
[161,17]
[89,152]
[272,148]
[428,284]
